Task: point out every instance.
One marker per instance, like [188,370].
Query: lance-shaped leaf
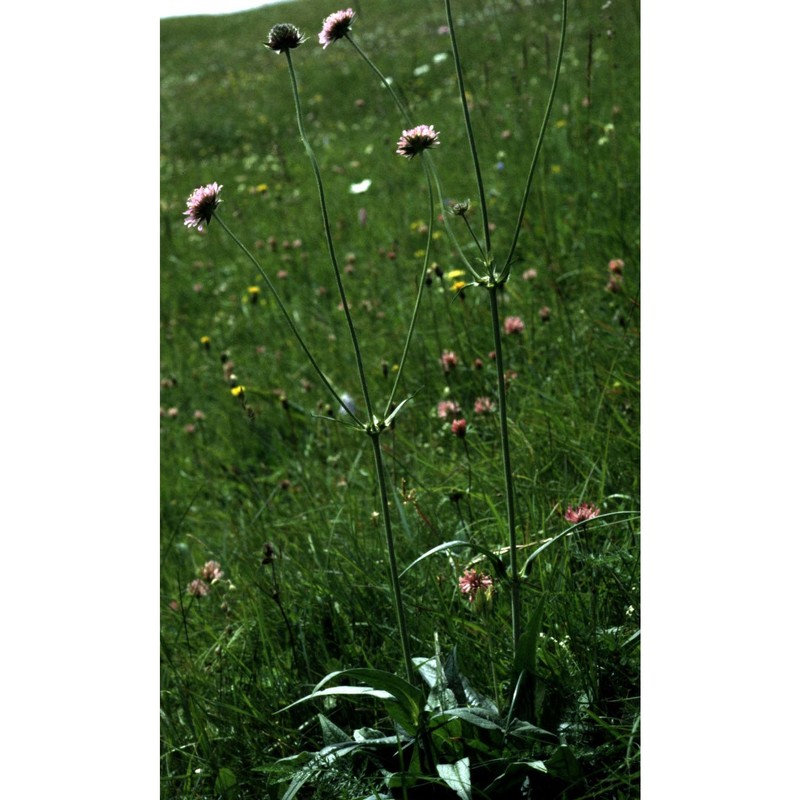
[497,563]
[403,702]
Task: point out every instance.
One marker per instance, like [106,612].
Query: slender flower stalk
[329,239]
[516,621]
[509,259]
[289,321]
[383,79]
[492,281]
[374,426]
[471,139]
[403,108]
[453,238]
[460,210]
[420,287]
[394,574]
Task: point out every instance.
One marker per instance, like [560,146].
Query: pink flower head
[616,265]
[448,360]
[335,27]
[473,582]
[415,140]
[211,571]
[483,405]
[198,588]
[544,314]
[202,204]
[582,513]
[513,325]
[459,428]
[447,409]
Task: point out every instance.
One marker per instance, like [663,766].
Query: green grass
[280,474]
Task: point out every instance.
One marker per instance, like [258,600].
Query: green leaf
[410,699]
[225,782]
[428,669]
[297,783]
[388,420]
[403,701]
[458,544]
[510,779]
[372,736]
[479,717]
[456,776]
[564,765]
[529,641]
[527,731]
[331,734]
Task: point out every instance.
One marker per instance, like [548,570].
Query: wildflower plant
[433,707]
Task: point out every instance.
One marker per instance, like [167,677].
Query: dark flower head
[616,266]
[202,204]
[269,553]
[459,428]
[335,27]
[460,209]
[284,36]
[415,140]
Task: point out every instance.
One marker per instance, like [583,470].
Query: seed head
[460,209]
[284,36]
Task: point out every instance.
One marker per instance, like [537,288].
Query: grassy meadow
[260,474]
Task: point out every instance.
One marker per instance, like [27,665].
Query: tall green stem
[420,288]
[516,623]
[329,239]
[398,102]
[507,264]
[407,117]
[470,135]
[374,426]
[394,576]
